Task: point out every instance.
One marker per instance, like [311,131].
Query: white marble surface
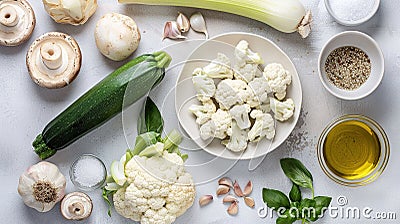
[25,109]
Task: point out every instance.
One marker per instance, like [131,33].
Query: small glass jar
[88,172]
[384,149]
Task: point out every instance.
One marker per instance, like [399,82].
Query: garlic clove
[222,189]
[198,23]
[172,31]
[248,189]
[229,199]
[233,208]
[237,189]
[205,200]
[249,202]
[183,23]
[225,181]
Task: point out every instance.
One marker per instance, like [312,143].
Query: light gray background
[26,108]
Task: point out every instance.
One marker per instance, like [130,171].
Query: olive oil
[351,150]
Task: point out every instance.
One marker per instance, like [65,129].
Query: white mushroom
[17,21]
[74,12]
[76,206]
[117,36]
[54,60]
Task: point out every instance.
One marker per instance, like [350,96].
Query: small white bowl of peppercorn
[351,65]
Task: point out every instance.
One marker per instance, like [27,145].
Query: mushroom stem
[8,16]
[51,54]
[76,208]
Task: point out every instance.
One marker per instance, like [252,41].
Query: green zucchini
[102,102]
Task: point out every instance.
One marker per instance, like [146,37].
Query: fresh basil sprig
[295,207]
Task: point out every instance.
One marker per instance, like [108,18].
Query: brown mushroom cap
[54,60]
[76,206]
[17,21]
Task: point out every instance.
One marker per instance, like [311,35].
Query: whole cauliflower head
[219,68]
[230,92]
[264,126]
[158,189]
[203,112]
[278,79]
[204,86]
[282,110]
[218,126]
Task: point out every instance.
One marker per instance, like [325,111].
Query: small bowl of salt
[88,172]
[352,12]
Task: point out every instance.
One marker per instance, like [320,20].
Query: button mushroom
[54,60]
[74,12]
[76,206]
[17,21]
[117,36]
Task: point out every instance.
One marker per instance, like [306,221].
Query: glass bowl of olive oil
[353,150]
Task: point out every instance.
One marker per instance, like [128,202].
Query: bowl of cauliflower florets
[238,96]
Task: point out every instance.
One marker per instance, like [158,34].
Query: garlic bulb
[42,186]
[74,12]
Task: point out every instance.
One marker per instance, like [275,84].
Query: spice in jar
[348,67]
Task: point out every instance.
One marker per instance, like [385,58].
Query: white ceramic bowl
[185,93]
[370,47]
[351,22]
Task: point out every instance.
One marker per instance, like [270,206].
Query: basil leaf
[307,208]
[286,219]
[297,172]
[322,204]
[275,199]
[150,118]
[295,193]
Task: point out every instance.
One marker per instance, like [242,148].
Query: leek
[286,16]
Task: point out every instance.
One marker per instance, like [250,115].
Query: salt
[88,172]
[352,10]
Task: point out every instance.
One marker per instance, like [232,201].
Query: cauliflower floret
[219,68]
[238,138]
[240,113]
[246,73]
[207,130]
[230,92]
[244,55]
[153,193]
[278,79]
[282,110]
[258,91]
[203,112]
[216,127]
[204,86]
[263,127]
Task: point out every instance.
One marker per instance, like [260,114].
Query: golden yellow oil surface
[351,150]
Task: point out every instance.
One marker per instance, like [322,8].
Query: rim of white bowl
[380,73]
[349,22]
